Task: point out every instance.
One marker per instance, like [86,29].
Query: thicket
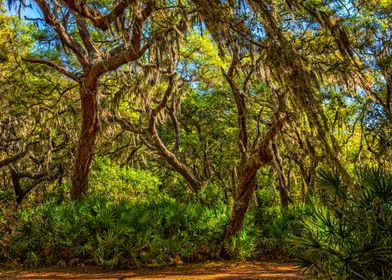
[343,233]
[131,222]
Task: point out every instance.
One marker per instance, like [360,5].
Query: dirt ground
[219,271]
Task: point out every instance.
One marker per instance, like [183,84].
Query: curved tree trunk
[194,182]
[242,198]
[88,134]
[94,61]
[261,156]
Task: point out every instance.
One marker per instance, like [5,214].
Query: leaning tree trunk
[261,156]
[88,135]
[243,195]
[194,182]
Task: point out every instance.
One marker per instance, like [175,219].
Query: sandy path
[221,271]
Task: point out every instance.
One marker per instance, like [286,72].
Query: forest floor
[205,271]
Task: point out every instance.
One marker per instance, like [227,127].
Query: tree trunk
[283,181]
[88,134]
[19,191]
[262,155]
[194,182]
[311,178]
[242,198]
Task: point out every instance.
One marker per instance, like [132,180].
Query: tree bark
[311,178]
[283,181]
[261,155]
[242,198]
[35,179]
[194,182]
[247,168]
[20,193]
[88,135]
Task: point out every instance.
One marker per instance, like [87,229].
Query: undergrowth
[127,220]
[349,234]
[116,234]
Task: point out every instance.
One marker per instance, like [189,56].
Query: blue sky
[28,12]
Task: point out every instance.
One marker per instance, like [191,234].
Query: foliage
[35,140]
[212,195]
[241,246]
[8,218]
[352,241]
[267,229]
[118,183]
[274,225]
[117,234]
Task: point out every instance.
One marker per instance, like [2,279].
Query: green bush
[116,234]
[128,219]
[274,235]
[353,239]
[273,225]
[212,195]
[118,183]
[7,203]
[241,246]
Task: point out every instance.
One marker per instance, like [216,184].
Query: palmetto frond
[331,185]
[376,185]
[350,242]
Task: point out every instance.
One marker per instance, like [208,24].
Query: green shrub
[118,183]
[212,195]
[7,203]
[353,239]
[128,219]
[273,225]
[274,235]
[56,194]
[116,234]
[241,246]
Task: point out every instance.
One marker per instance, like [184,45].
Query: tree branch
[180,167]
[92,50]
[22,191]
[124,54]
[16,157]
[65,38]
[54,66]
[98,19]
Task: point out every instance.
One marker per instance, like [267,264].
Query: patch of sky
[375,116]
[246,16]
[29,11]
